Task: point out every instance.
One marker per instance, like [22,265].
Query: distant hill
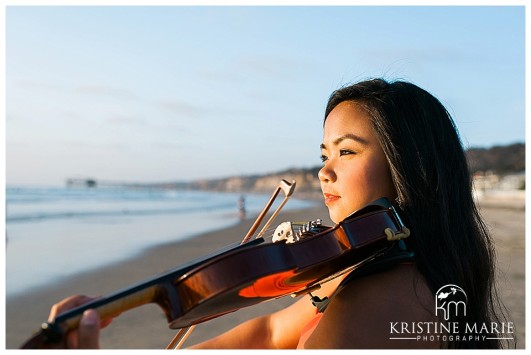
[306,179]
[498,159]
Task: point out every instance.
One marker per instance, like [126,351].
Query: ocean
[53,233]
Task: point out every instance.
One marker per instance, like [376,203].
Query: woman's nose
[326,174]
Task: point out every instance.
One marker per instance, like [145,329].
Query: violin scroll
[49,337]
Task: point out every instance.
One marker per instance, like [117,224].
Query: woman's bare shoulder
[366,313]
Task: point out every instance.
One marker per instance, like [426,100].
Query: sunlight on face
[355,170]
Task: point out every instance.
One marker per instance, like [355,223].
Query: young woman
[394,140]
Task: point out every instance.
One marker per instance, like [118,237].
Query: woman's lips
[330,199]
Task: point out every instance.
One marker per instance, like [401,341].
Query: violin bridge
[284,232]
[287,232]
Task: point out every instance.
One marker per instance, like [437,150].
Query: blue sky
[177,93]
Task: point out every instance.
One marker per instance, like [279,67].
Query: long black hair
[430,173]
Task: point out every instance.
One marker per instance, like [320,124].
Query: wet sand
[146,327]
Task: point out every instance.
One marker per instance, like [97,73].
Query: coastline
[146,327]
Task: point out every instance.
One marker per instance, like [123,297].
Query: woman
[391,140]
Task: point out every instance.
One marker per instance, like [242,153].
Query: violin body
[247,274]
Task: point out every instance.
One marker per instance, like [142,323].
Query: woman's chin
[335,217]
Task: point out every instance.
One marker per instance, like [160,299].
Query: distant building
[491,185]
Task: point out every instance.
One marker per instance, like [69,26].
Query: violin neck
[110,307]
[52,335]
[160,290]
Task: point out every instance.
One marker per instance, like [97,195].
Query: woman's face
[355,170]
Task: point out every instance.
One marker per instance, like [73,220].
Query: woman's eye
[324,158]
[346,152]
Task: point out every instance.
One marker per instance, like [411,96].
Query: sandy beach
[146,327]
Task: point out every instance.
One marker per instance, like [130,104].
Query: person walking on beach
[394,140]
[241,208]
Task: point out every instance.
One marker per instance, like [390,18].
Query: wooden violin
[292,262]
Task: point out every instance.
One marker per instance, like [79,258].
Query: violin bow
[288,189]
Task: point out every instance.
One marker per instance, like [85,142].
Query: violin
[296,260]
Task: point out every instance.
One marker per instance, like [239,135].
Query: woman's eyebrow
[351,136]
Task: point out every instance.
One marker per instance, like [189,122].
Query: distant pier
[95,183]
[92,183]
[81,183]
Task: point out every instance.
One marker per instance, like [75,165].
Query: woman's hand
[86,336]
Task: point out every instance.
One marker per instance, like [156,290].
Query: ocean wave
[39,216]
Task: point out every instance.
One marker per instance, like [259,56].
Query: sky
[176,93]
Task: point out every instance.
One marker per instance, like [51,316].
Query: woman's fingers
[66,304]
[86,336]
[89,330]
